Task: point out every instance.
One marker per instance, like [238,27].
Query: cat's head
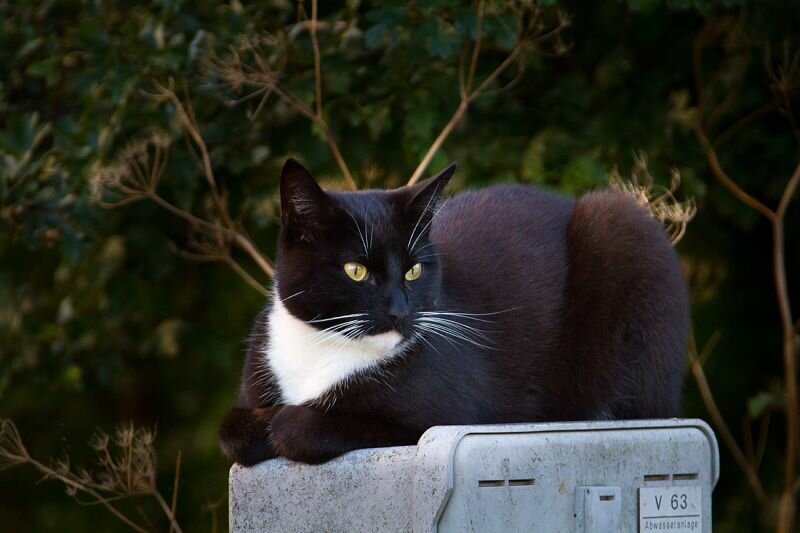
[358,263]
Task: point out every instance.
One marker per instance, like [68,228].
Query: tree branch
[317,66]
[192,129]
[476,50]
[788,192]
[261,77]
[786,505]
[722,427]
[467,94]
[722,176]
[173,524]
[230,228]
[175,486]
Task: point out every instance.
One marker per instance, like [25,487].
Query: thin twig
[476,50]
[786,504]
[747,440]
[437,143]
[193,130]
[457,116]
[49,472]
[722,176]
[786,507]
[722,427]
[167,511]
[749,118]
[467,94]
[761,447]
[175,485]
[788,192]
[245,275]
[264,80]
[317,66]
[241,240]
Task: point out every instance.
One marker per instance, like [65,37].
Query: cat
[394,311]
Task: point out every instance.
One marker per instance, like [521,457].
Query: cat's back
[503,253]
[590,289]
[503,235]
[502,224]
[487,213]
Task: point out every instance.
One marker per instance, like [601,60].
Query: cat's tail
[627,296]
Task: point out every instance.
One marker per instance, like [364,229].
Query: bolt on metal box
[582,477]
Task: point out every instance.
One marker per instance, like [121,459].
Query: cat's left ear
[425,195]
[305,208]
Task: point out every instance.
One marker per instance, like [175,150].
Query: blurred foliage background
[103,320]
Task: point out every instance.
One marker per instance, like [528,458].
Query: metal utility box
[581,477]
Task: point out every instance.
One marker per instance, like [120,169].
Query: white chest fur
[306,364]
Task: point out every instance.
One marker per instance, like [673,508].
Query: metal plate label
[673,509]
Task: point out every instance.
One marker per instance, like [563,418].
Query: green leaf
[43,68]
[758,404]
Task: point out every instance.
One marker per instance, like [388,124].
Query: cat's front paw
[244,435]
[296,435]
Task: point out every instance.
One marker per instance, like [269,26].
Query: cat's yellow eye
[414,272]
[355,271]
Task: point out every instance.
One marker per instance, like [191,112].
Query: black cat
[394,312]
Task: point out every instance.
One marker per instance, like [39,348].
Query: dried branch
[783,83]
[722,176]
[761,447]
[747,119]
[785,80]
[717,419]
[317,65]
[263,80]
[137,173]
[659,201]
[476,50]
[125,469]
[528,37]
[175,488]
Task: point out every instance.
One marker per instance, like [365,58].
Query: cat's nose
[398,307]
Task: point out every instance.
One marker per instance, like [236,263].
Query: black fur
[579,308]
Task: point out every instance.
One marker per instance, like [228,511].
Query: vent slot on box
[684,477]
[491,483]
[656,477]
[521,482]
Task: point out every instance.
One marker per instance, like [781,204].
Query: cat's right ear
[425,194]
[305,207]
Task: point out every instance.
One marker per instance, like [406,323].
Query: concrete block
[510,477]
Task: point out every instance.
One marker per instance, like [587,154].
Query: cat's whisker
[426,256]
[338,333]
[421,336]
[360,234]
[454,324]
[426,246]
[371,233]
[298,293]
[469,315]
[316,321]
[421,233]
[443,316]
[456,315]
[334,327]
[435,331]
[422,214]
[447,330]
[335,332]
[337,328]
